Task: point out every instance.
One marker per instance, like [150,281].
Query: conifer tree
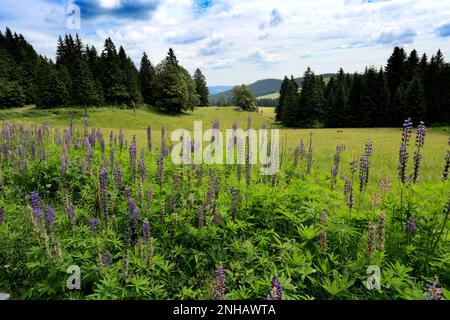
[146,76]
[201,88]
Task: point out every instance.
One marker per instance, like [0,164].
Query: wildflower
[121,139]
[136,215]
[201,215]
[276,292]
[433,292]
[217,217]
[363,172]
[172,203]
[106,258]
[296,156]
[446,167]
[385,185]
[324,231]
[118,177]
[36,204]
[348,193]
[146,230]
[131,206]
[133,159]
[375,199]
[371,239]
[235,201]
[104,188]
[368,148]
[127,192]
[410,227]
[334,172]
[309,160]
[353,166]
[160,169]
[70,209]
[142,168]
[93,225]
[112,157]
[420,140]
[381,230]
[149,138]
[219,284]
[403,153]
[163,142]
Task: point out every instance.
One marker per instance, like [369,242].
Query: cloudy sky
[240,41]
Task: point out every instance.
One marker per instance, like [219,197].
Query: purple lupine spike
[172,203]
[127,192]
[93,225]
[104,188]
[149,138]
[201,215]
[112,157]
[363,172]
[131,207]
[368,148]
[50,216]
[83,166]
[420,141]
[410,227]
[334,172]
[111,138]
[160,169]
[64,162]
[133,159]
[434,292]
[36,204]
[276,292]
[235,201]
[353,166]
[121,139]
[163,141]
[136,215]
[106,260]
[70,210]
[142,169]
[403,153]
[348,192]
[118,177]
[146,235]
[446,167]
[2,215]
[219,284]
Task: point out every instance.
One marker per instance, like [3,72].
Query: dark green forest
[408,86]
[82,76]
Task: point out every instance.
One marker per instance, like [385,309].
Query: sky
[241,41]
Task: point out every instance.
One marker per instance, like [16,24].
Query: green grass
[385,140]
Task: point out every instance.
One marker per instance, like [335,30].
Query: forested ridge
[408,86]
[82,76]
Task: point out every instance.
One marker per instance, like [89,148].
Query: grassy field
[274,95]
[385,140]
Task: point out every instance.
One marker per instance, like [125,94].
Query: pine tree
[51,91]
[11,94]
[395,70]
[289,107]
[201,87]
[412,101]
[312,101]
[278,108]
[146,76]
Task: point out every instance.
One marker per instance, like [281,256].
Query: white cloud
[236,41]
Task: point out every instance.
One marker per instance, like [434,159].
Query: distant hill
[218,89]
[259,88]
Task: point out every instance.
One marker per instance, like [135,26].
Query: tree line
[408,86]
[81,76]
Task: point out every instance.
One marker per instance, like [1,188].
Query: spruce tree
[278,108]
[146,76]
[201,87]
[289,107]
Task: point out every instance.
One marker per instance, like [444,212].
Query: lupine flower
[375,199]
[106,258]
[149,138]
[410,227]
[112,158]
[93,225]
[334,172]
[127,192]
[368,149]
[146,230]
[309,161]
[136,215]
[276,291]
[64,163]
[142,169]
[385,185]
[363,172]
[403,154]
[217,217]
[324,231]
[83,166]
[433,292]
[296,156]
[420,140]
[2,215]
[118,177]
[104,188]
[149,196]
[353,166]
[70,210]
[199,173]
[235,201]
[348,193]
[172,203]
[248,164]
[163,141]
[381,230]
[131,206]
[219,284]
[160,169]
[201,215]
[36,204]
[371,239]
[121,139]
[133,159]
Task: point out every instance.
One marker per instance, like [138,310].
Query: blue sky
[240,41]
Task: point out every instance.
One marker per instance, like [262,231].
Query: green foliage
[244,98]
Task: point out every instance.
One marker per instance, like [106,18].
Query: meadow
[78,192]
